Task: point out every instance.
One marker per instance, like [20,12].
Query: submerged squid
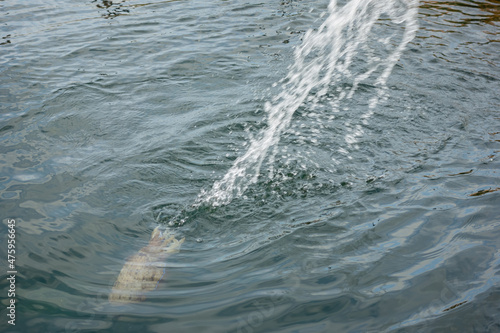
[142,271]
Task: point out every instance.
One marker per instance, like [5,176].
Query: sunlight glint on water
[322,61]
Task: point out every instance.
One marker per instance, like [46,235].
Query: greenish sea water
[333,167]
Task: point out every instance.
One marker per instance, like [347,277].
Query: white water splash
[325,57]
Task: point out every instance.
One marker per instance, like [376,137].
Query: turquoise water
[333,169]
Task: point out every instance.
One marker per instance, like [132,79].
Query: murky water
[333,166]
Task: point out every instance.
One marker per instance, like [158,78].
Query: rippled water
[343,179]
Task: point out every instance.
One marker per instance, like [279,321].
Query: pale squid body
[142,271]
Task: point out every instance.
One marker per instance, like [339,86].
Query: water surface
[371,205]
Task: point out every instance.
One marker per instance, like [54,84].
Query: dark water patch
[482,192]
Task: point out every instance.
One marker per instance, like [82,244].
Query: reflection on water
[113,9]
[482,192]
[464,12]
[122,7]
[6,40]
